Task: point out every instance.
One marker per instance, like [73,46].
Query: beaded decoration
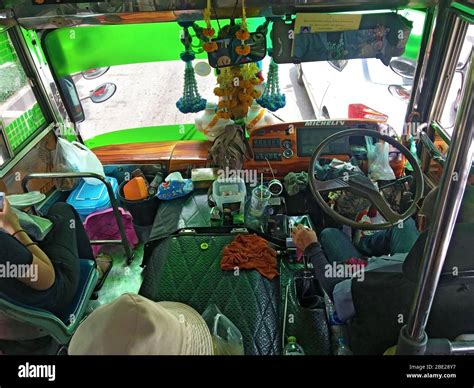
[272,98]
[191,102]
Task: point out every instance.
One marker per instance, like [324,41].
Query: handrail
[413,338]
[110,191]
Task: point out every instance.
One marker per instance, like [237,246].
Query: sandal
[104,264]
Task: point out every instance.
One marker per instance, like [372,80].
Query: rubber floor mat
[186,269]
[186,212]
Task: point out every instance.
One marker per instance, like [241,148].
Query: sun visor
[329,37]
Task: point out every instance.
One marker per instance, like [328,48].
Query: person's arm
[41,279]
[307,241]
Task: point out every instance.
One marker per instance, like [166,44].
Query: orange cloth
[250,252]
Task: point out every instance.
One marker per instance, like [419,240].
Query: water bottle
[337,329]
[292,348]
[342,348]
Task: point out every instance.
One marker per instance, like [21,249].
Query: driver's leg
[404,237]
[397,239]
[337,246]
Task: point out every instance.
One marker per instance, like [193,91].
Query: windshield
[134,98]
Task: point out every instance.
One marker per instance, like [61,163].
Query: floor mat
[181,270]
[122,278]
[186,212]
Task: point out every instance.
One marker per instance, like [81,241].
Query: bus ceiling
[47,14]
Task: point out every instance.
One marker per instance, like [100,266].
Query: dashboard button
[288,153]
[286,143]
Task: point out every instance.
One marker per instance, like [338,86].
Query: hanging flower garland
[208,32]
[236,90]
[243,34]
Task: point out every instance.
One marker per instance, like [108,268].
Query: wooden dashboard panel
[286,153]
[175,155]
[278,143]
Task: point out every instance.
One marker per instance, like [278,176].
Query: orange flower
[242,50]
[255,93]
[223,115]
[242,34]
[219,92]
[210,47]
[209,32]
[245,99]
[223,104]
[245,84]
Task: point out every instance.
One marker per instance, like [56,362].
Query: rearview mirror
[95,72]
[103,92]
[403,67]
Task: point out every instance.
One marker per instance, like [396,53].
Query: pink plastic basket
[102,225]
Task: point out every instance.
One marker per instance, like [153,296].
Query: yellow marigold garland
[237,90]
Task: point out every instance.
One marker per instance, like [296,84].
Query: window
[453,100]
[20,114]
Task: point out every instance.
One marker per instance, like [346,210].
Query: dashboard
[288,147]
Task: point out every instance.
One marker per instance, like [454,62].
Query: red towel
[250,252]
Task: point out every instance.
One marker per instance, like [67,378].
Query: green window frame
[22,116]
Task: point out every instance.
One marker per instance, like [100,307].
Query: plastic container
[87,198]
[229,191]
[292,348]
[142,211]
[259,201]
[136,189]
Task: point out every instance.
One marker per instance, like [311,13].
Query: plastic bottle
[413,151]
[153,186]
[338,332]
[292,348]
[342,348]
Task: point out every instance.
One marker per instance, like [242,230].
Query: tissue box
[203,177]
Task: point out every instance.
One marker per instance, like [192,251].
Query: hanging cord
[235,8]
[269,165]
[215,13]
[244,16]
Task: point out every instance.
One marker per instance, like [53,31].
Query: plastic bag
[174,186]
[226,337]
[379,165]
[76,157]
[65,162]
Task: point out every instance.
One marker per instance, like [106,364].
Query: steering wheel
[361,185]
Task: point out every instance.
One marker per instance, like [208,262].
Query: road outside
[147,93]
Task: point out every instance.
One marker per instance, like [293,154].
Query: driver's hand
[303,237]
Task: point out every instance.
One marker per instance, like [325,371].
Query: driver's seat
[382,301]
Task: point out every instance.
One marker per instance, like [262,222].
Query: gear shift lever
[308,291]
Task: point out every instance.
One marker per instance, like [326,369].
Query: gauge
[286,143]
[287,153]
[275,187]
